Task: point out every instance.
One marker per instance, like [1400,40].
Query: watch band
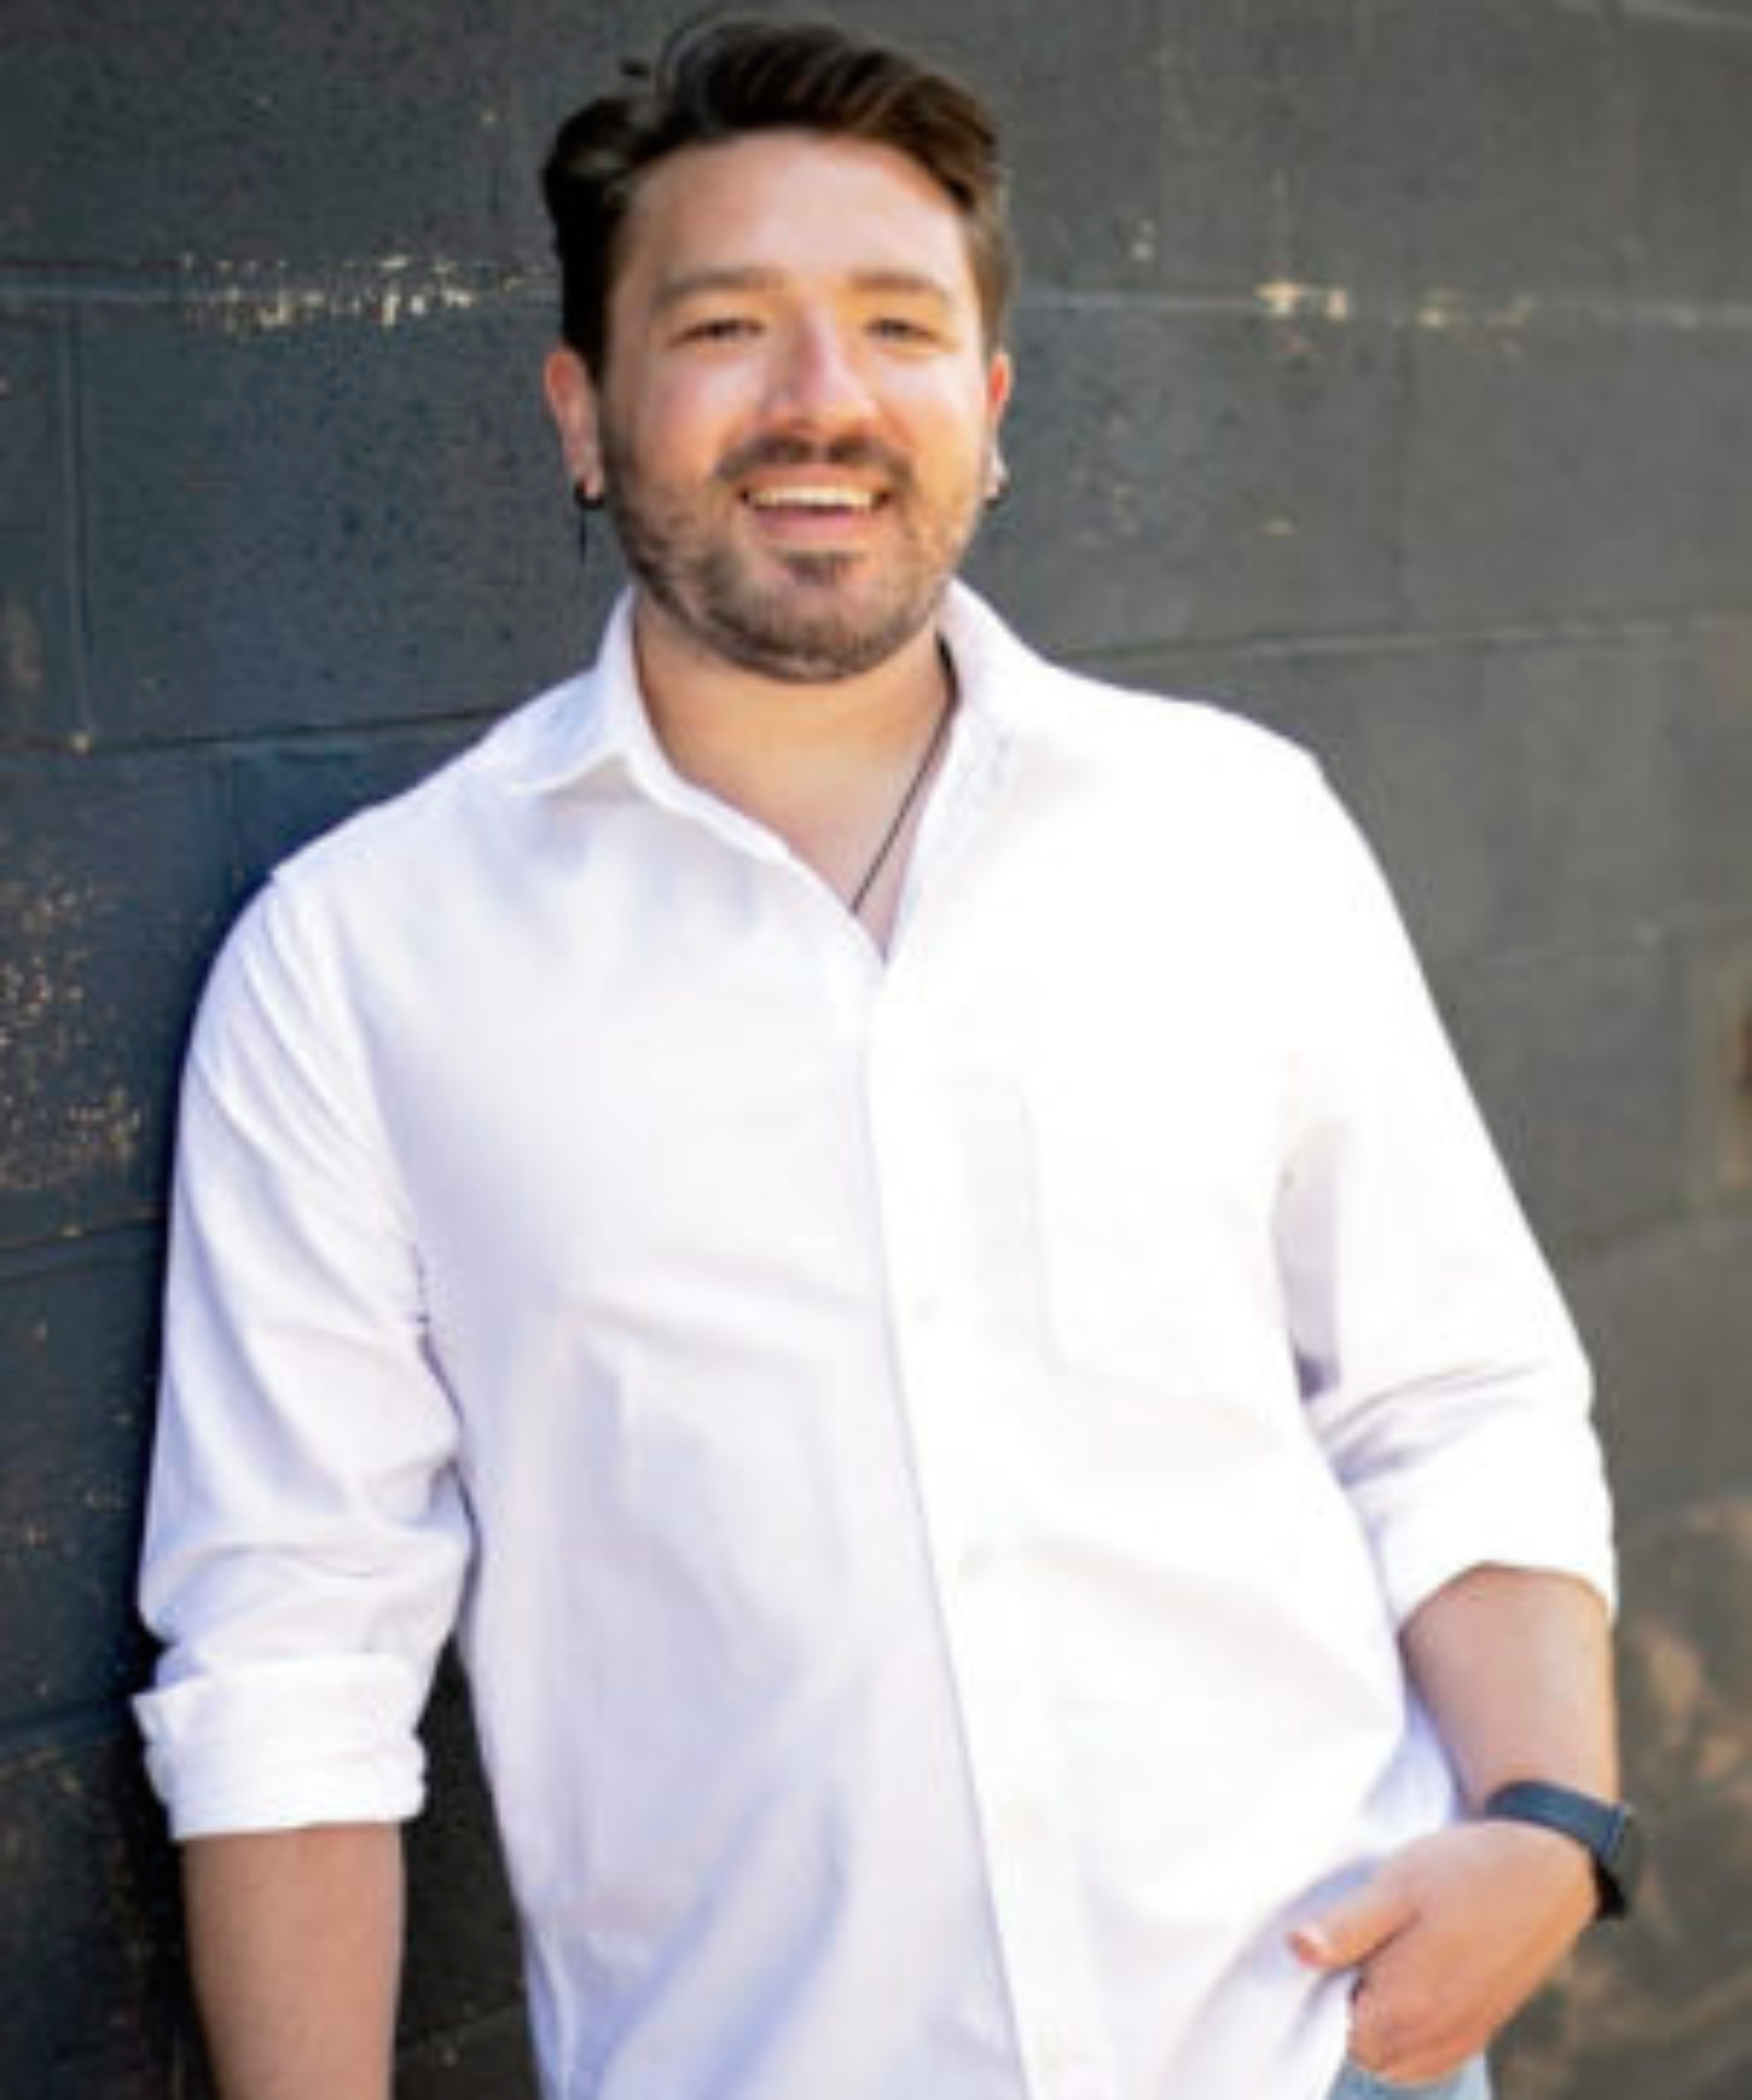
[1608,1831]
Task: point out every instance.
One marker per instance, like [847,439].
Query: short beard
[766,633]
[698,582]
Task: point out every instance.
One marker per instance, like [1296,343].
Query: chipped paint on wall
[1284,299]
[49,1137]
[21,648]
[386,292]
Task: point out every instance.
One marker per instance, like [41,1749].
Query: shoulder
[1132,741]
[1173,767]
[392,879]
[420,828]
[1166,733]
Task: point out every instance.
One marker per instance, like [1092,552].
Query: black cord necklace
[922,772]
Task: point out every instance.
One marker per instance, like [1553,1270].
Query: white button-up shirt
[930,1456]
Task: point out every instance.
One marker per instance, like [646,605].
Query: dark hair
[717,80]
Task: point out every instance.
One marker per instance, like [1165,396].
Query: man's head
[781,367]
[719,80]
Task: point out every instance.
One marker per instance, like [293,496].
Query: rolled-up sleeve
[1443,1374]
[307,1540]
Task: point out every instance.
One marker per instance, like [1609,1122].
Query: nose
[818,379]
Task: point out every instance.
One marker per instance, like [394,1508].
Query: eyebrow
[699,284]
[911,283]
[703,283]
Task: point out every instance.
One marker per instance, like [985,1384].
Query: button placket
[944,1390]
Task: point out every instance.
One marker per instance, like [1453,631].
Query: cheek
[683,430]
[959,410]
[951,443]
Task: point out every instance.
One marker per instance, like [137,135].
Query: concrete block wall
[1386,369]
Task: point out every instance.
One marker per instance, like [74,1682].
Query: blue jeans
[1472,2083]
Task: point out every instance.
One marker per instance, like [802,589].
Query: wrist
[1606,1831]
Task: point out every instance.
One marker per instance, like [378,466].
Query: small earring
[997,485]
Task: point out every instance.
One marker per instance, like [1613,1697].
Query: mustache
[780,449]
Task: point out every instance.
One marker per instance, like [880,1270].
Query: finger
[1349,1930]
[1411,2037]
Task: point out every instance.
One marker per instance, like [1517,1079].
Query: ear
[573,404]
[999,380]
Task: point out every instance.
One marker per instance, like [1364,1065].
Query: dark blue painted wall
[1386,366]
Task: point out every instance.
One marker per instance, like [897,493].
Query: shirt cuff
[284,1744]
[1493,1500]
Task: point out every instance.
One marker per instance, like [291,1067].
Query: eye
[901,328]
[721,328]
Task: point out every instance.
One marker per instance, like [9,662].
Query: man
[894,1231]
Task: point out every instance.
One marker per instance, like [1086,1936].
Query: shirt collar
[599,723]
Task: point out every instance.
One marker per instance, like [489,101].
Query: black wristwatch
[1608,1831]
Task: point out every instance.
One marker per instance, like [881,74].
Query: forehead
[792,204]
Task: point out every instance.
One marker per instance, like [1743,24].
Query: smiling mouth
[826,499]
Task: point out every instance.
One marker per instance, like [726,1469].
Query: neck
[838,771]
[788,754]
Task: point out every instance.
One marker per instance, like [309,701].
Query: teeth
[812,499]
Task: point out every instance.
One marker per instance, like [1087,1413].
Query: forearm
[1514,1668]
[295,1944]
[1448,1937]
